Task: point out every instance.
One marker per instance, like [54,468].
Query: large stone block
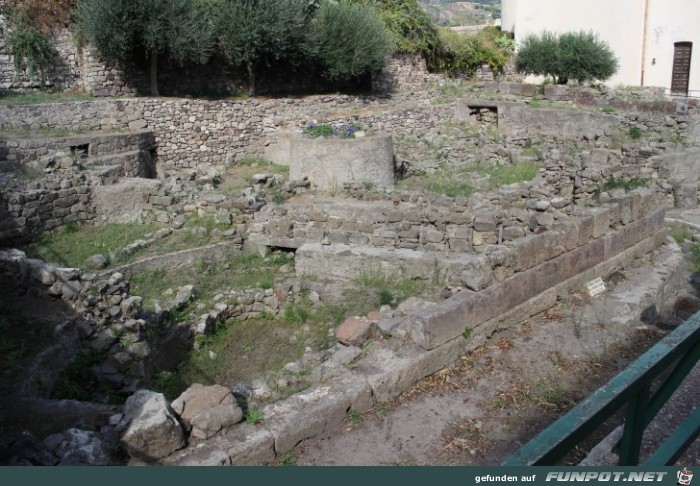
[436,326]
[152,432]
[330,162]
[391,371]
[313,412]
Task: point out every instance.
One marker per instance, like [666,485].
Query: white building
[656,41]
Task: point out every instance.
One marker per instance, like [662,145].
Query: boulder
[152,430]
[206,410]
[354,331]
[82,448]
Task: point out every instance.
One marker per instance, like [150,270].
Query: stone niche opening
[81,151]
[330,163]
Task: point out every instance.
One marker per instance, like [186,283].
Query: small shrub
[695,255]
[349,40]
[635,133]
[254,417]
[608,109]
[385,297]
[627,185]
[467,333]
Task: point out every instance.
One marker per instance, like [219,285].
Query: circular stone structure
[330,162]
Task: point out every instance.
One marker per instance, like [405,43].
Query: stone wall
[56,201]
[405,72]
[90,149]
[63,75]
[75,67]
[329,163]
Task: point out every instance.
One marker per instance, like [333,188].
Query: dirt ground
[498,397]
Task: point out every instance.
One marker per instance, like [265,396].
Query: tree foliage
[44,15]
[30,48]
[257,33]
[349,40]
[412,28]
[117,29]
[461,55]
[580,56]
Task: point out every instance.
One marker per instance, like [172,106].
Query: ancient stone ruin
[595,198]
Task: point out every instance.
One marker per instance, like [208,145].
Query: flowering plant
[315,129]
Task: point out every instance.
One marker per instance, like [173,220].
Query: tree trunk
[251,78]
[154,73]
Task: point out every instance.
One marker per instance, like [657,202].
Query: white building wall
[620,23]
[672,21]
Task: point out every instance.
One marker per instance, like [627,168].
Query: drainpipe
[644,39]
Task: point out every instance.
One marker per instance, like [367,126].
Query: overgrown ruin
[506,200]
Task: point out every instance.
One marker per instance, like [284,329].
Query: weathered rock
[354,331]
[478,273]
[207,409]
[131,307]
[153,431]
[82,448]
[183,297]
[97,262]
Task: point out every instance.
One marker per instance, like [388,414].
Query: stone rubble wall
[39,207]
[77,67]
[64,73]
[108,322]
[405,72]
[102,147]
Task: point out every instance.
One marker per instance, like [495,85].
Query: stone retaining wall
[56,201]
[92,149]
[334,265]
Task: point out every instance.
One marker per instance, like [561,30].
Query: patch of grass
[254,417]
[355,417]
[290,459]
[627,185]
[245,270]
[680,233]
[467,333]
[695,256]
[169,384]
[608,109]
[40,97]
[13,347]
[77,382]
[455,182]
[72,246]
[503,175]
[371,290]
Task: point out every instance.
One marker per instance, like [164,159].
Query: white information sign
[596,287]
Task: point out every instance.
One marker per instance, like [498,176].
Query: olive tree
[118,29]
[580,56]
[255,33]
[349,40]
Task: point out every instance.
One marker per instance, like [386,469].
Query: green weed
[254,417]
[635,133]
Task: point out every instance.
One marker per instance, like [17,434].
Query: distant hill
[452,13]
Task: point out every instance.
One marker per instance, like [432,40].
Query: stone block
[250,445]
[315,411]
[434,327]
[477,273]
[354,331]
[601,221]
[390,372]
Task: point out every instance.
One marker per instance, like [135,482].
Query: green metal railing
[679,351]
